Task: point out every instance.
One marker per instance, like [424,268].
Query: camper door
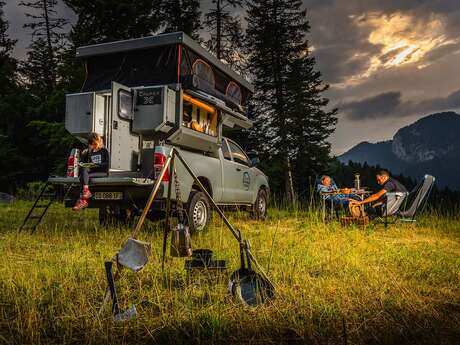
[123,144]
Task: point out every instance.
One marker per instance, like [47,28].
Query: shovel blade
[134,254]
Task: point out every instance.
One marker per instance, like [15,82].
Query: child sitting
[94,162]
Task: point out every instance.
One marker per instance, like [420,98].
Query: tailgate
[105,181]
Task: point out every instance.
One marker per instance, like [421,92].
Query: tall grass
[370,285]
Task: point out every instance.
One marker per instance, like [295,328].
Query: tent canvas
[160,60]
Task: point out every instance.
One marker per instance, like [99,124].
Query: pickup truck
[147,95]
[229,176]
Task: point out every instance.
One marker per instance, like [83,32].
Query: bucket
[181,244]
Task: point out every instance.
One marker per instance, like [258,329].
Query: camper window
[125,104]
[234,93]
[203,75]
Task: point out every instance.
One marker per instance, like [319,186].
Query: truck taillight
[159,160]
[70,166]
[72,163]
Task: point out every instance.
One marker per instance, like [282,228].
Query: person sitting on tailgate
[94,162]
[376,201]
[343,196]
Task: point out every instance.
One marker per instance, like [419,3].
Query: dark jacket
[100,157]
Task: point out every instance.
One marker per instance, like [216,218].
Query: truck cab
[145,96]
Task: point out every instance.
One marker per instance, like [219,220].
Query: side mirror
[255,161]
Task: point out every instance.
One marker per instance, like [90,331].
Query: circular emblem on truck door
[246,180]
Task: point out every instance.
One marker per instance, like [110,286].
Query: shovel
[134,254]
[118,315]
[247,285]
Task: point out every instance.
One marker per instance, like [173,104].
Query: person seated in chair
[95,163]
[343,195]
[376,201]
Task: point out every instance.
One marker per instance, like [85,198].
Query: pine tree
[278,60]
[7,63]
[226,39]
[274,37]
[12,106]
[107,20]
[310,124]
[8,66]
[182,15]
[48,37]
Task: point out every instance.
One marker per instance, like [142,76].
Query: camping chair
[417,198]
[328,206]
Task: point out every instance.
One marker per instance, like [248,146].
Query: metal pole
[200,185]
[152,196]
[168,209]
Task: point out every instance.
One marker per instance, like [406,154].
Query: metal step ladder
[41,205]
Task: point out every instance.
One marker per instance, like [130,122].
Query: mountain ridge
[430,145]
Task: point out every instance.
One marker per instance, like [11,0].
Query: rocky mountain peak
[434,136]
[430,145]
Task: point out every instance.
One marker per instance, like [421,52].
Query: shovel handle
[242,254]
[113,292]
[248,258]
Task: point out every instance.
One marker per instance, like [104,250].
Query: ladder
[39,208]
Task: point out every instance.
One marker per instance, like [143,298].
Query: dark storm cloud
[374,107]
[390,105]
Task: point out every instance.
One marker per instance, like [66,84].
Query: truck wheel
[198,211]
[259,209]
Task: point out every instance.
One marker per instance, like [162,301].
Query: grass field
[335,285]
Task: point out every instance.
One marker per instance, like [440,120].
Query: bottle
[357,182]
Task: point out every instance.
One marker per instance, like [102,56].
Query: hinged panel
[124,144]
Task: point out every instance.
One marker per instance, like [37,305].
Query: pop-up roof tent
[161,60]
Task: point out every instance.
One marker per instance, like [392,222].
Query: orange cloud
[403,39]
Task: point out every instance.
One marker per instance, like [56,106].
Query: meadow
[335,285]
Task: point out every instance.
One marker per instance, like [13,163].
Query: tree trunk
[219,30]
[52,77]
[290,194]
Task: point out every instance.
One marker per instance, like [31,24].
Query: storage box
[85,113]
[155,110]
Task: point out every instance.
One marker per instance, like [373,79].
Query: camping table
[359,192]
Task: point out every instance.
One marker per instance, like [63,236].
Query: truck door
[123,143]
[238,176]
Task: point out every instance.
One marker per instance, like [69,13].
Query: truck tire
[198,211]
[259,209]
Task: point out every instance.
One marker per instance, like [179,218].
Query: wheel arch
[206,184]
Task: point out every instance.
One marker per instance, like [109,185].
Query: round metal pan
[247,285]
[250,287]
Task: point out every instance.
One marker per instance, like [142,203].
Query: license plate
[108,196]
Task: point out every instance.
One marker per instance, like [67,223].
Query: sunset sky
[389,62]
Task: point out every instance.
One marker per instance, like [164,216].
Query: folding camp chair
[393,202]
[328,207]
[417,199]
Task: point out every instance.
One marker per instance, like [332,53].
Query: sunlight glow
[401,39]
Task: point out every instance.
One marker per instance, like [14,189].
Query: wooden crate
[361,221]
